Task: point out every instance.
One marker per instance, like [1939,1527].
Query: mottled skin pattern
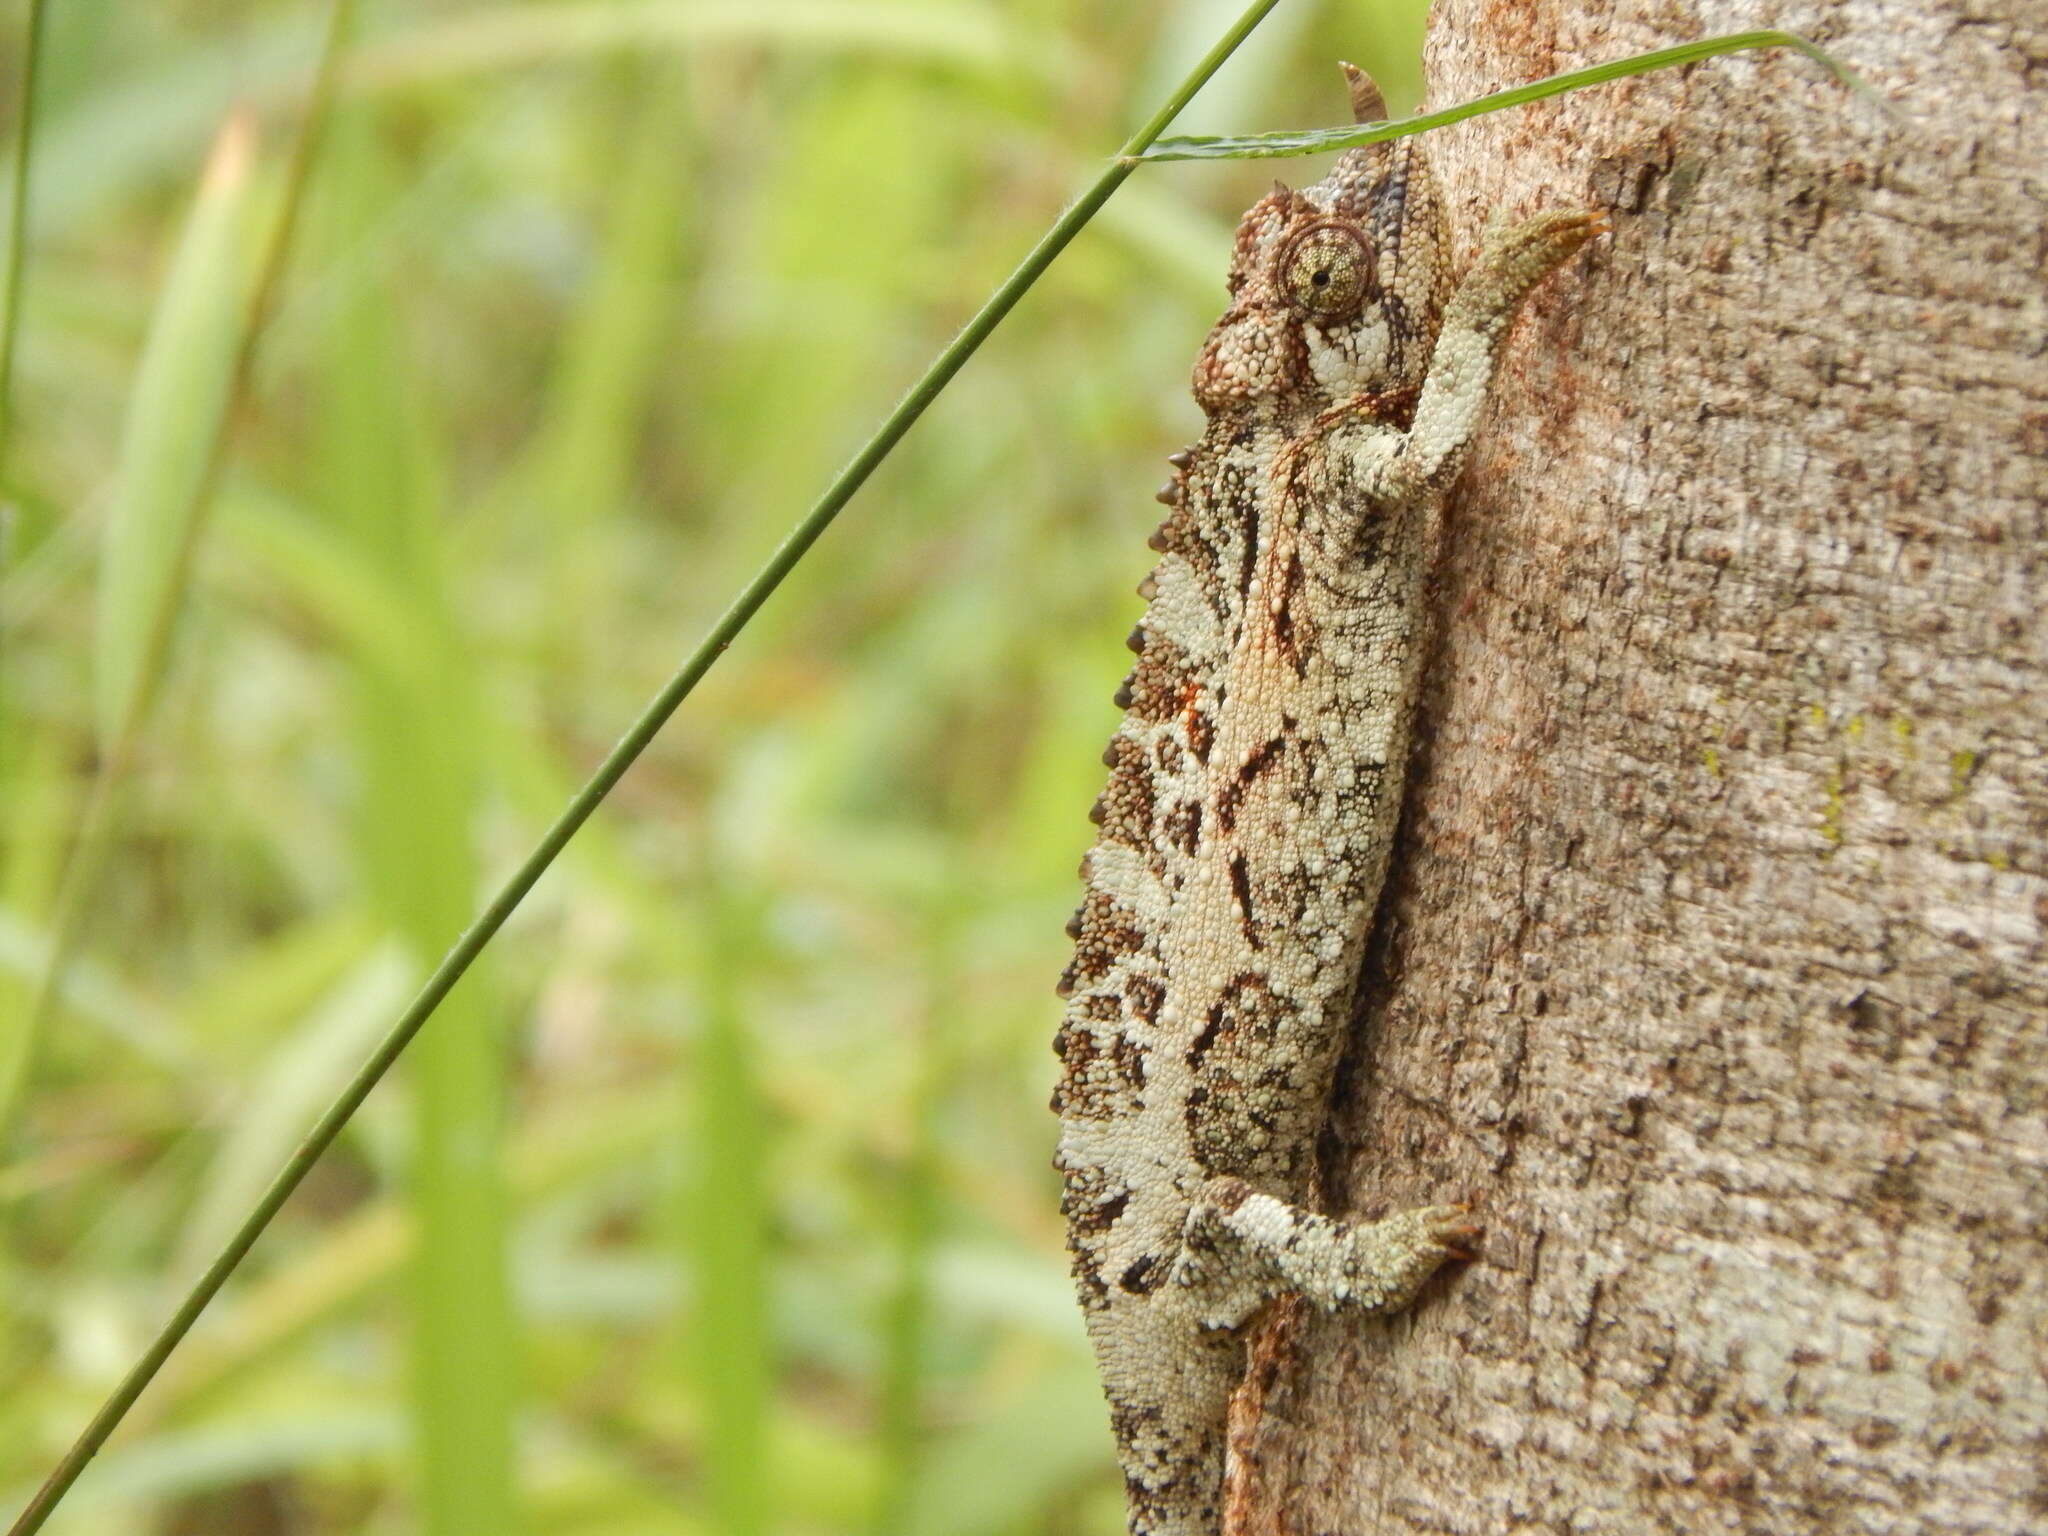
[1254,789]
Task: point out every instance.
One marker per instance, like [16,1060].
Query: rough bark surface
[1716,969]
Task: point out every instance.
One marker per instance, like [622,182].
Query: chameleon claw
[1453,1231]
[1577,225]
[1464,1249]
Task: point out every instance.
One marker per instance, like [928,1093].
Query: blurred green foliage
[718,1199]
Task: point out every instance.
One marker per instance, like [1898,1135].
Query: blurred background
[718,1198]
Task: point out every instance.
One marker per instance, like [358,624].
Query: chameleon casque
[1255,785]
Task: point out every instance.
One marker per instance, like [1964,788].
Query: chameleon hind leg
[1242,1248]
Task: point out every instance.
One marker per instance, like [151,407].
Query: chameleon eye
[1326,271]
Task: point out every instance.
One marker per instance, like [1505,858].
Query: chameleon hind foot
[1246,1247]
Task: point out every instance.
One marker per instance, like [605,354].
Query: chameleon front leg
[1242,1248]
[1512,261]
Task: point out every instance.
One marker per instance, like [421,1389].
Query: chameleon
[1254,791]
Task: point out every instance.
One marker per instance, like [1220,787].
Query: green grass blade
[220,1455]
[612,354]
[196,365]
[725,1231]
[17,231]
[36,801]
[906,1319]
[378,479]
[1316,141]
[178,408]
[1182,31]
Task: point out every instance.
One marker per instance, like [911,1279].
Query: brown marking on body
[1105,1070]
[1145,1275]
[1088,1281]
[1241,888]
[1181,827]
[1201,728]
[1248,557]
[1109,932]
[1284,608]
[1127,802]
[1211,1027]
[1153,691]
[1227,804]
[1144,994]
[1096,1210]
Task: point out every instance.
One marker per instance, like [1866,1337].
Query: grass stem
[1318,141]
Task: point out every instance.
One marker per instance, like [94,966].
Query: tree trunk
[1713,970]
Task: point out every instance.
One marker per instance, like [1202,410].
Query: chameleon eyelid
[1339,238]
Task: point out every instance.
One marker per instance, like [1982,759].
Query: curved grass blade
[600,784]
[1316,141]
[178,406]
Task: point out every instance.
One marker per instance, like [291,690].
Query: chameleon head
[1335,291]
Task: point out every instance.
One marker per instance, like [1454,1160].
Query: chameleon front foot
[1516,257]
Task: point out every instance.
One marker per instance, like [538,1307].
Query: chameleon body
[1254,791]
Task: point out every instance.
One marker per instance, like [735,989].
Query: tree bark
[1714,968]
